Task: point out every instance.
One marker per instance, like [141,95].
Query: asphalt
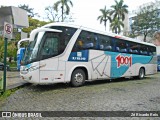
[13,79]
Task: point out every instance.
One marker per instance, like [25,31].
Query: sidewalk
[13,80]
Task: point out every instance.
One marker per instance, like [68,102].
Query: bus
[64,53]
[20,52]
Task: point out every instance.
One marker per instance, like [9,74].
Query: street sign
[8,30]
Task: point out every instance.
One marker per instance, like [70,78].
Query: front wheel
[141,73]
[78,78]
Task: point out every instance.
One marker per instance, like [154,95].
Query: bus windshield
[47,44]
[31,50]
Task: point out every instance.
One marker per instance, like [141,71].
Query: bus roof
[97,31]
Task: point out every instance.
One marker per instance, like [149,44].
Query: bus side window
[105,43]
[90,41]
[151,51]
[133,48]
[143,50]
[121,46]
[79,44]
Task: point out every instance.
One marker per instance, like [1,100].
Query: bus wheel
[78,78]
[141,73]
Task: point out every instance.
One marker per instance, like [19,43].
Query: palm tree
[64,6]
[116,25]
[119,10]
[104,17]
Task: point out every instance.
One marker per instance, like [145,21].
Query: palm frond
[56,5]
[67,9]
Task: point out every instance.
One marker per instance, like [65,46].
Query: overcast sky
[85,12]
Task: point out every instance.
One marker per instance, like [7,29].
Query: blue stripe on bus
[119,70]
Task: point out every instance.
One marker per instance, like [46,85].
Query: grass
[7,93]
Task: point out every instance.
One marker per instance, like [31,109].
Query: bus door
[48,57]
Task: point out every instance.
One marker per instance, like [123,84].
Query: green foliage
[7,93]
[116,25]
[132,35]
[105,16]
[1,49]
[147,21]
[117,13]
[11,49]
[33,24]
[12,64]
[119,10]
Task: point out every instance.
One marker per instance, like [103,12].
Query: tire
[141,73]
[78,78]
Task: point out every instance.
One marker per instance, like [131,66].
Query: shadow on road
[61,86]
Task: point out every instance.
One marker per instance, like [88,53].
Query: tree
[52,15]
[104,17]
[55,16]
[116,25]
[119,10]
[147,21]
[1,48]
[11,50]
[28,9]
[118,13]
[64,6]
[33,24]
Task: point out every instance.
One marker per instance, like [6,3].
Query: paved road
[117,95]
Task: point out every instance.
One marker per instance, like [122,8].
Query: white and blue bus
[63,53]
[20,52]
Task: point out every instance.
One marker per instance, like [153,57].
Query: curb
[22,84]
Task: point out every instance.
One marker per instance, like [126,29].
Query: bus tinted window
[151,50]
[105,43]
[49,46]
[65,36]
[86,40]
[121,46]
[143,50]
[89,40]
[133,48]
[53,44]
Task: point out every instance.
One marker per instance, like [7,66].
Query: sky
[85,12]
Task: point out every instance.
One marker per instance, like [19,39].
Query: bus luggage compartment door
[48,68]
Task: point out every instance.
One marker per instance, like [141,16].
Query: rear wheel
[141,73]
[78,78]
